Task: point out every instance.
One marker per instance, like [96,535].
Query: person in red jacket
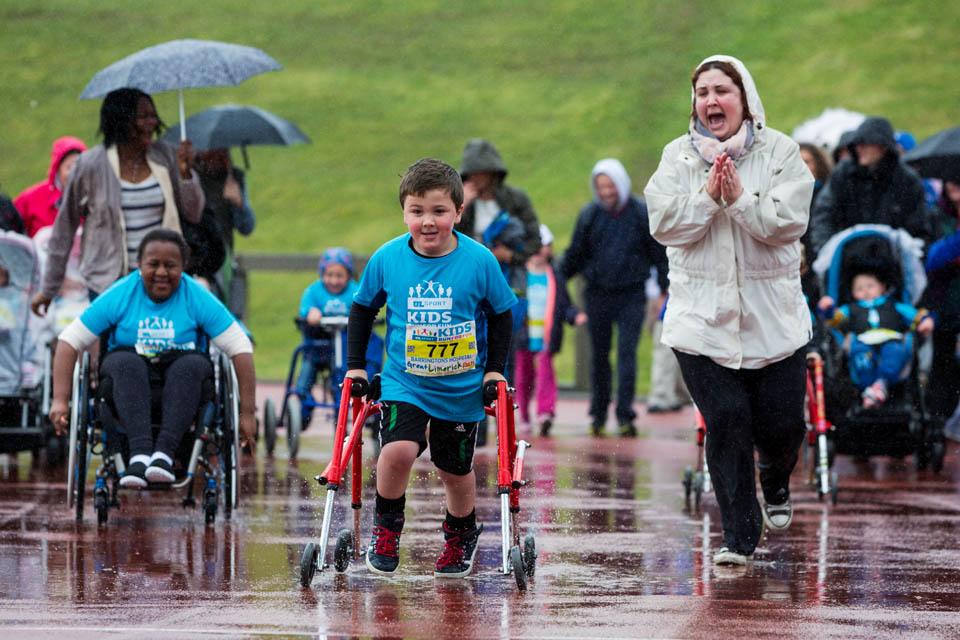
[38,204]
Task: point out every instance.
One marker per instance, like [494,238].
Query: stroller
[902,425]
[24,358]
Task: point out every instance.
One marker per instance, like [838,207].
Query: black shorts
[451,443]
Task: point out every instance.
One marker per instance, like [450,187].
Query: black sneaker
[383,554]
[545,425]
[456,561]
[596,429]
[777,517]
[627,430]
[134,476]
[160,472]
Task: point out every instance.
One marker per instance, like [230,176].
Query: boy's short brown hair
[428,174]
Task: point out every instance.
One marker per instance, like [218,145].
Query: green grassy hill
[557,85]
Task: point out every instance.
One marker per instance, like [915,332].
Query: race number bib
[440,350]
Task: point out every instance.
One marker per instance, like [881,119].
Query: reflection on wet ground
[619,555]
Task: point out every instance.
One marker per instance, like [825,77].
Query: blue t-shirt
[436,323]
[151,327]
[537,293]
[330,305]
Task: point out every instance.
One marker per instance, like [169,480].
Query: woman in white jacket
[730,201]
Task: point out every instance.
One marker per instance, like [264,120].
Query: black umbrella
[237,125]
[938,156]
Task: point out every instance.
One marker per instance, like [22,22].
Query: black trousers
[625,308]
[746,409]
[130,376]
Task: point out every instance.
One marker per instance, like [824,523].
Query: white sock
[140,457]
[160,455]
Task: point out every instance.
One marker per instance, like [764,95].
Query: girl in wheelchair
[155,320]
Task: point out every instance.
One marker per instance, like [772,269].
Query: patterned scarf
[710,148]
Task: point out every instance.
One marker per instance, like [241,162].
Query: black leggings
[743,409]
[182,383]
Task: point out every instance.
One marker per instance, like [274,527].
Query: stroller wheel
[342,550]
[697,489]
[308,565]
[937,452]
[529,555]
[516,564]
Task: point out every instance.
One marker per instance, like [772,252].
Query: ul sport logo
[429,301]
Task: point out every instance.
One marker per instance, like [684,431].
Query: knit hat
[336,255]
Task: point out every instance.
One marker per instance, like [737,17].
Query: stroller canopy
[893,254]
[18,343]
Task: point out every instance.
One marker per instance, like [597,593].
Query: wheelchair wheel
[230,439]
[308,565]
[516,564]
[342,550]
[82,427]
[269,426]
[102,506]
[294,424]
[529,555]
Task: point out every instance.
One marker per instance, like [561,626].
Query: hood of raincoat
[480,155]
[61,147]
[753,98]
[613,169]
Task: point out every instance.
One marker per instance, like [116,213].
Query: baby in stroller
[879,345]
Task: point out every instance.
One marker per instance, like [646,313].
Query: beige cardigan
[92,196]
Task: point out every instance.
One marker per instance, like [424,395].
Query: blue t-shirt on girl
[436,323]
[316,295]
[152,327]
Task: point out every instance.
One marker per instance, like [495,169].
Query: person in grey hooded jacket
[872,186]
[613,250]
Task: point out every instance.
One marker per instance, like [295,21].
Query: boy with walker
[448,332]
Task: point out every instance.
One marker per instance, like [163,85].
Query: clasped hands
[723,181]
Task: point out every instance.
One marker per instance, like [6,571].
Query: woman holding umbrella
[120,190]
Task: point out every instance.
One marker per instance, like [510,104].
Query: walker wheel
[834,487]
[294,424]
[342,550]
[269,425]
[529,555]
[516,564]
[308,565]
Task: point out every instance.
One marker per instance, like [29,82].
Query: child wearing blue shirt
[879,355]
[330,296]
[449,323]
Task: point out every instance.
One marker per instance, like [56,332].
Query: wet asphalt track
[620,557]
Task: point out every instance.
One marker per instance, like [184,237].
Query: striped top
[142,205]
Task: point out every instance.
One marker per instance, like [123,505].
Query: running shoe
[134,476]
[383,554]
[546,423]
[777,517]
[460,549]
[596,429]
[628,430]
[727,557]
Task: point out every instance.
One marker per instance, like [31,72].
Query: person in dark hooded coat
[873,187]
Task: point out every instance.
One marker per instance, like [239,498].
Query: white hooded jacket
[735,292]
